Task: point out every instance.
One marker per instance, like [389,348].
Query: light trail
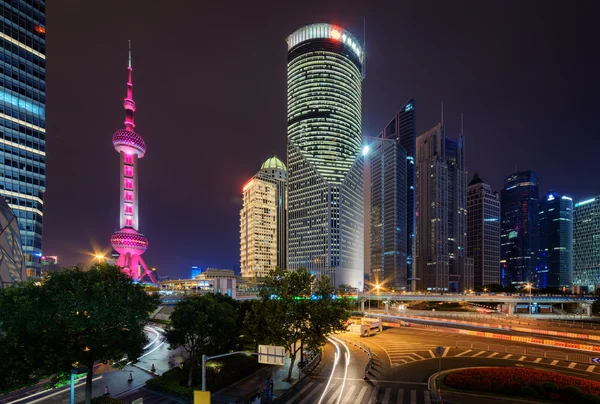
[335,362]
[77,384]
[347,356]
[157,335]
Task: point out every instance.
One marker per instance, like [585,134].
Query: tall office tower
[388,204]
[442,262]
[403,128]
[325,166]
[263,221]
[23,120]
[586,244]
[128,241]
[556,241]
[483,232]
[519,224]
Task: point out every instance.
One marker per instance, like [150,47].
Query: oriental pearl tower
[128,242]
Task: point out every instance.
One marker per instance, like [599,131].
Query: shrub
[550,387]
[540,390]
[590,398]
[104,400]
[170,387]
[572,391]
[528,391]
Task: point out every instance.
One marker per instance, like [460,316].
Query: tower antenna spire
[129,54]
[128,103]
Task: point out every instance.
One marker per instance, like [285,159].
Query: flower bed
[526,382]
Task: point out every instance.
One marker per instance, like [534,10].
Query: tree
[204,324]
[76,318]
[289,314]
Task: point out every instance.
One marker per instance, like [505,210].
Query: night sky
[210,86]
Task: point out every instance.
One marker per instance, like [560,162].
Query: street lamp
[530,287]
[377,286]
[100,257]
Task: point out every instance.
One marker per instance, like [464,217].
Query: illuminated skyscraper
[519,237]
[556,241]
[403,128]
[483,232]
[325,167]
[23,120]
[586,244]
[442,262]
[127,241]
[263,221]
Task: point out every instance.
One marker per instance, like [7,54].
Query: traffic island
[518,383]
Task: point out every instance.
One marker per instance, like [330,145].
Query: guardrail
[351,340]
[310,366]
[515,350]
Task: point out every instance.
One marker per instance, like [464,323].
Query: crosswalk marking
[426,397]
[386,396]
[507,356]
[522,358]
[431,353]
[309,395]
[298,394]
[478,353]
[554,362]
[413,397]
[373,395]
[591,368]
[417,355]
[464,352]
[538,360]
[335,395]
[492,355]
[349,394]
[445,352]
[400,399]
[360,395]
[572,365]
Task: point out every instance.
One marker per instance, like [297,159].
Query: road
[116,380]
[340,379]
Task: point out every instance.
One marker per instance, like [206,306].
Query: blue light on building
[23,121]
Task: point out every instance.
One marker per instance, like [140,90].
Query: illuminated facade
[556,241]
[325,166]
[12,262]
[263,221]
[23,120]
[442,262]
[586,244]
[128,242]
[483,232]
[403,128]
[519,237]
[388,206]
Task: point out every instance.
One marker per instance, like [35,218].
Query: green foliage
[541,391]
[528,391]
[572,391]
[170,386]
[204,324]
[294,311]
[596,307]
[550,387]
[105,400]
[74,318]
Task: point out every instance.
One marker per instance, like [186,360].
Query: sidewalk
[255,383]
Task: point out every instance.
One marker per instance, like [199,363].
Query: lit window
[128,158]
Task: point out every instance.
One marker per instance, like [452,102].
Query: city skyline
[529,92]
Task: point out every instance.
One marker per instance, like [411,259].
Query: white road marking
[431,353]
[445,352]
[373,395]
[386,396]
[413,397]
[335,395]
[426,397]
[336,359]
[591,368]
[347,356]
[417,355]
[478,353]
[522,358]
[362,393]
[53,394]
[464,352]
[492,355]
[572,365]
[507,356]
[349,394]
[538,360]
[554,362]
[400,399]
[298,394]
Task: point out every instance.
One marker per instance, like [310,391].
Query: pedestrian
[271,384]
[267,390]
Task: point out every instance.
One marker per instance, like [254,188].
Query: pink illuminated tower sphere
[128,242]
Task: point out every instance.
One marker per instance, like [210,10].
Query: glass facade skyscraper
[519,206]
[483,232]
[403,128]
[442,262]
[556,241]
[586,244]
[23,120]
[388,207]
[325,167]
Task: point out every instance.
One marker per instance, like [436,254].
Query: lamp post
[377,286]
[530,287]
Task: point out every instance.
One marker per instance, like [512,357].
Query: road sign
[271,355]
[439,350]
[201,397]
[595,360]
